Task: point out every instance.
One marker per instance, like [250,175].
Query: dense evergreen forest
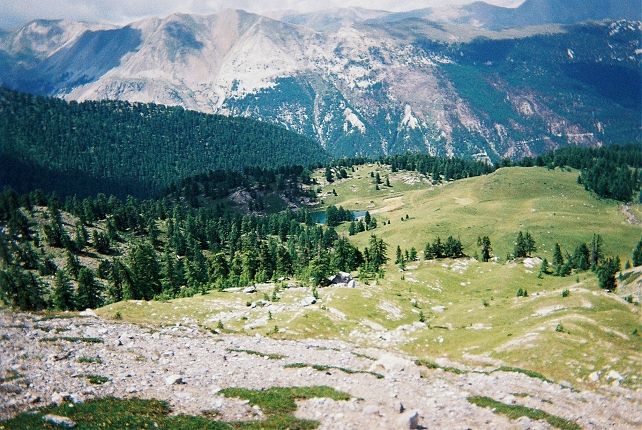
[157,249]
[137,149]
[122,148]
[611,172]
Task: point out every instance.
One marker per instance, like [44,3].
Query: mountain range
[474,80]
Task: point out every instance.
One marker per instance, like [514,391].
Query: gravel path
[140,362]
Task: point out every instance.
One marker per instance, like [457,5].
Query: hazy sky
[16,12]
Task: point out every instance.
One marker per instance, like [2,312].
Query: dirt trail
[138,360]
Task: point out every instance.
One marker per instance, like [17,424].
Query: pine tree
[606,272]
[352,230]
[398,256]
[544,268]
[63,293]
[118,279]
[582,257]
[558,260]
[597,254]
[429,252]
[524,245]
[413,254]
[145,271]
[101,242]
[529,244]
[152,232]
[54,230]
[21,289]
[328,174]
[167,272]
[81,237]
[486,248]
[438,248]
[6,254]
[89,290]
[637,254]
[72,265]
[378,257]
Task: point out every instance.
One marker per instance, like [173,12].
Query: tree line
[160,248]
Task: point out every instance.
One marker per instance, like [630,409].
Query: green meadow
[470,313]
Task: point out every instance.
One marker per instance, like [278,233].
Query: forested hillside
[122,148]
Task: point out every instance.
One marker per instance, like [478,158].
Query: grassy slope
[518,331]
[551,205]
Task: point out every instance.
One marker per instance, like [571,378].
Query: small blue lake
[321,218]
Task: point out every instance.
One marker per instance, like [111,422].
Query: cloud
[18,12]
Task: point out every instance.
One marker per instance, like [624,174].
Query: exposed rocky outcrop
[187,367]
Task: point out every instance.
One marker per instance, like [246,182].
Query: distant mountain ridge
[530,13]
[365,82]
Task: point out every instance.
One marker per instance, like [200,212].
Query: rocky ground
[188,366]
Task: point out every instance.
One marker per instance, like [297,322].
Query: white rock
[59,398]
[352,284]
[614,376]
[392,364]
[307,301]
[595,376]
[174,380]
[371,410]
[409,420]
[88,313]
[531,263]
[250,289]
[59,421]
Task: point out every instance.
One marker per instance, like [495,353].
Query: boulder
[307,301]
[352,284]
[59,421]
[60,398]
[340,278]
[614,376]
[409,420]
[88,313]
[389,364]
[249,290]
[174,380]
[371,410]
[10,388]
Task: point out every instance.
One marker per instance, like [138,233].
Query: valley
[300,218]
[470,308]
